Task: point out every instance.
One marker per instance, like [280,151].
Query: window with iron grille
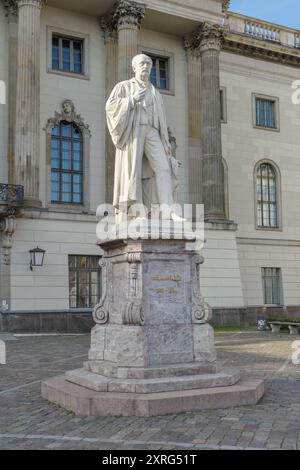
[67,54]
[265,113]
[160,73]
[84,281]
[272,287]
[266,193]
[66,164]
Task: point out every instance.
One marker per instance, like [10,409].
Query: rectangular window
[67,54]
[272,287]
[266,113]
[160,74]
[84,281]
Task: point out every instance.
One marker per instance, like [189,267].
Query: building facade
[226,81]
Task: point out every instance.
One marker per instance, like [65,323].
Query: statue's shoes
[177,218]
[140,219]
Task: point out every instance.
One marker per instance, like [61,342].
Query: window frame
[88,270]
[278,196]
[77,120]
[60,170]
[280,286]
[274,99]
[169,56]
[62,38]
[72,36]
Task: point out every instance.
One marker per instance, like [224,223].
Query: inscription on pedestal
[166,290]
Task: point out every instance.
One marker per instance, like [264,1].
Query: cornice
[259,49]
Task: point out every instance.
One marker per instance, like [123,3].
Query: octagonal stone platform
[152,348]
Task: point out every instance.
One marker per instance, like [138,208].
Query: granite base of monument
[152,349]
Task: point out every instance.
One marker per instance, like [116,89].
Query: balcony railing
[11,194]
[262,31]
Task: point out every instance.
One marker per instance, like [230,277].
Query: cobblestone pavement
[29,422]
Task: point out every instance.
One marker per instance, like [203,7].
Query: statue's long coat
[123,120]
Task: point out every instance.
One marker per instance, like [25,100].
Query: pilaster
[194,122]
[111,42]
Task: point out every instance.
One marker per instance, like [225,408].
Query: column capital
[207,36]
[225,5]
[10,6]
[34,3]
[128,13]
[108,28]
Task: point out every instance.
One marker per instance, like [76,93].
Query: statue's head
[68,107]
[142,65]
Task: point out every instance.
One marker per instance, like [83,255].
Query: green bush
[290,320]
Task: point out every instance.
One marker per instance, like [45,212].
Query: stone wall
[244,145]
[47,287]
[87,94]
[82,322]
[46,322]
[248,316]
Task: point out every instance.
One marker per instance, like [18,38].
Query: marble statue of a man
[137,124]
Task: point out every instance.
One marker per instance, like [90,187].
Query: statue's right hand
[139,95]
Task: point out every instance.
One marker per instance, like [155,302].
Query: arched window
[66,163]
[67,159]
[267,196]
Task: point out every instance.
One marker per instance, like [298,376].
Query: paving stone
[29,422]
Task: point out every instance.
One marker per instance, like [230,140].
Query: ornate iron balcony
[11,195]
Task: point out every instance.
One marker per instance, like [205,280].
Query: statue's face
[67,108]
[142,69]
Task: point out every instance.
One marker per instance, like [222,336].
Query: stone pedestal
[152,350]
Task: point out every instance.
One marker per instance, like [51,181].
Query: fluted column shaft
[111,43]
[194,122]
[13,54]
[128,48]
[212,165]
[127,18]
[27,131]
[120,29]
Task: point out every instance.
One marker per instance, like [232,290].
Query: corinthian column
[194,121]
[111,78]
[127,17]
[210,37]
[11,13]
[27,132]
